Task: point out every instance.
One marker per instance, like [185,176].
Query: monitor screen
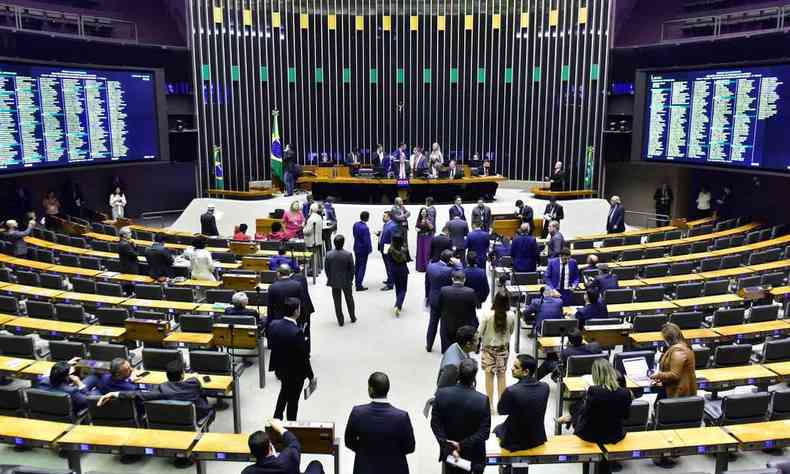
[734,117]
[53,115]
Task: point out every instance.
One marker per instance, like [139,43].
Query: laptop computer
[637,370]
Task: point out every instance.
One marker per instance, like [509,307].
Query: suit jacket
[677,373]
[458,230]
[591,311]
[457,304]
[396,168]
[556,243]
[306,209]
[160,260]
[127,255]
[362,244]
[78,396]
[279,291]
[607,282]
[339,266]
[462,414]
[479,241]
[543,309]
[277,260]
[208,224]
[381,436]
[104,384]
[482,217]
[526,215]
[188,390]
[457,211]
[437,276]
[440,243]
[615,222]
[524,252]
[525,404]
[17,239]
[448,366]
[477,280]
[285,462]
[601,416]
[400,215]
[456,173]
[556,210]
[289,357]
[390,227]
[554,269]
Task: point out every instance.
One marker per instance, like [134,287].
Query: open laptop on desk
[637,370]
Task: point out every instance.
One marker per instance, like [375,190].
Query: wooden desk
[30,432]
[779,368]
[223,446]
[694,336]
[189,339]
[31,291]
[12,365]
[102,333]
[35,265]
[726,273]
[222,384]
[140,441]
[227,266]
[729,377]
[36,370]
[44,327]
[780,291]
[766,328]
[171,306]
[5,318]
[73,270]
[777,265]
[654,230]
[631,283]
[649,306]
[707,301]
[609,335]
[126,277]
[574,387]
[98,300]
[668,280]
[764,435]
[200,283]
[556,450]
[705,237]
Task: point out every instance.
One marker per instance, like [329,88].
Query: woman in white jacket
[117,203]
[201,263]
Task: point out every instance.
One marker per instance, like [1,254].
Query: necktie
[562,276]
[402,174]
[611,213]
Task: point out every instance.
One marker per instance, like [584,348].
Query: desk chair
[605,257]
[583,244]
[737,408]
[526,278]
[157,359]
[111,316]
[774,254]
[69,260]
[109,289]
[687,319]
[91,263]
[12,398]
[66,350]
[6,275]
[780,404]
[256,298]
[677,413]
[765,234]
[682,268]
[657,237]
[699,247]
[773,279]
[626,273]
[748,282]
[674,235]
[582,364]
[654,271]
[680,249]
[628,255]
[648,293]
[24,277]
[222,243]
[146,314]
[46,256]
[210,362]
[710,264]
[8,305]
[249,320]
[649,322]
[703,229]
[728,317]
[62,239]
[51,406]
[638,415]
[197,323]
[107,352]
[112,265]
[716,287]
[74,313]
[219,296]
[776,351]
[38,232]
[143,235]
[632,240]
[720,243]
[40,309]
[114,246]
[761,313]
[649,356]
[756,258]
[590,273]
[224,257]
[736,240]
[100,245]
[778,230]
[701,357]
[149,292]
[175,415]
[79,242]
[557,327]
[656,252]
[18,346]
[109,230]
[83,285]
[179,293]
[689,290]
[752,237]
[268,276]
[730,261]
[618,296]
[612,242]
[121,412]
[48,235]
[731,355]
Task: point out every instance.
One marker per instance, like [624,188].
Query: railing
[762,20]
[158,216]
[644,218]
[53,22]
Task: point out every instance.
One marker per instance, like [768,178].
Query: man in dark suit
[289,169]
[478,241]
[283,259]
[595,307]
[208,223]
[159,258]
[461,421]
[283,288]
[290,360]
[457,305]
[457,209]
[176,388]
[119,378]
[238,307]
[380,434]
[437,275]
[525,213]
[453,171]
[557,178]
[615,222]
[576,346]
[440,243]
[268,461]
[548,306]
[605,280]
[475,278]
[339,266]
[400,215]
[63,379]
[553,212]
[458,229]
[525,404]
[481,215]
[562,274]
[524,251]
[362,248]
[127,257]
[556,241]
[385,239]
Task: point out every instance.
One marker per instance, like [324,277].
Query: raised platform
[546,193]
[252,195]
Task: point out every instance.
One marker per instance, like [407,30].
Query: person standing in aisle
[117,204]
[340,277]
[362,248]
[399,258]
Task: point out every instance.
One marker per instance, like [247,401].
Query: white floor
[344,357]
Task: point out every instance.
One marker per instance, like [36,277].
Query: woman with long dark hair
[495,330]
[425,231]
[398,253]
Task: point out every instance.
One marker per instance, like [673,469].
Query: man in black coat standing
[461,421]
[127,257]
[208,223]
[440,243]
[339,266]
[457,304]
[380,434]
[525,404]
[283,288]
[290,360]
[159,258]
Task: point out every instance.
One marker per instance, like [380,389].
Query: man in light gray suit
[400,215]
[458,230]
[17,237]
[556,240]
[481,215]
[339,266]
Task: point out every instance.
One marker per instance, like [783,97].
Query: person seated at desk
[525,404]
[577,346]
[118,379]
[160,259]
[548,306]
[201,262]
[176,388]
[595,307]
[453,171]
[240,233]
[282,258]
[276,234]
[239,302]
[62,379]
[269,461]
[562,274]
[605,280]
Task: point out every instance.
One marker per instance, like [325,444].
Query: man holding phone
[269,461]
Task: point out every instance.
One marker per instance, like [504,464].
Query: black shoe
[353,319]
[428,349]
[221,404]
[386,288]
[341,323]
[362,288]
[130,458]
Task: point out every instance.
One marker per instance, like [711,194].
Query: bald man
[615,222]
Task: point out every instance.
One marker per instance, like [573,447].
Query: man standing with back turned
[340,277]
[362,248]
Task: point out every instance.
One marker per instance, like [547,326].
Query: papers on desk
[637,370]
[460,463]
[308,391]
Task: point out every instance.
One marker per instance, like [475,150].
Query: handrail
[649,216]
[78,18]
[716,20]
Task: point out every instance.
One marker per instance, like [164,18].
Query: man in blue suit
[394,158]
[380,434]
[306,206]
[282,259]
[385,239]
[615,223]
[269,461]
[457,209]
[595,307]
[437,275]
[118,379]
[476,278]
[362,248]
[605,280]
[524,251]
[562,274]
[478,241]
[548,306]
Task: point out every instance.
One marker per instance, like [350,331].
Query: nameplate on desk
[701,449]
[220,456]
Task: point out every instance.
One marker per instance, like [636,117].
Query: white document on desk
[637,370]
[460,463]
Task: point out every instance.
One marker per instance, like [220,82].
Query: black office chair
[120,412]
[777,350]
[582,364]
[701,357]
[157,359]
[12,398]
[629,255]
[143,235]
[674,235]
[48,235]
[648,293]
[175,415]
[765,234]
[583,244]
[69,260]
[268,277]
[612,242]
[46,256]
[716,287]
[18,346]
[730,261]
[179,293]
[689,290]
[24,277]
[761,313]
[83,285]
[79,242]
[219,296]
[197,323]
[240,320]
[525,278]
[649,322]
[51,406]
[653,271]
[222,243]
[149,292]
[224,257]
[111,264]
[656,252]
[624,273]
[773,254]
[780,404]
[618,296]
[699,247]
[773,279]
[74,313]
[632,240]
[756,258]
[66,350]
[148,314]
[657,237]
[732,355]
[677,413]
[107,352]
[40,309]
[210,362]
[720,243]
[108,316]
[62,239]
[109,289]
[752,237]
[638,415]
[557,327]
[710,264]
[687,319]
[748,282]
[100,246]
[8,305]
[680,249]
[6,275]
[91,263]
[728,317]
[619,357]
[737,408]
[681,268]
